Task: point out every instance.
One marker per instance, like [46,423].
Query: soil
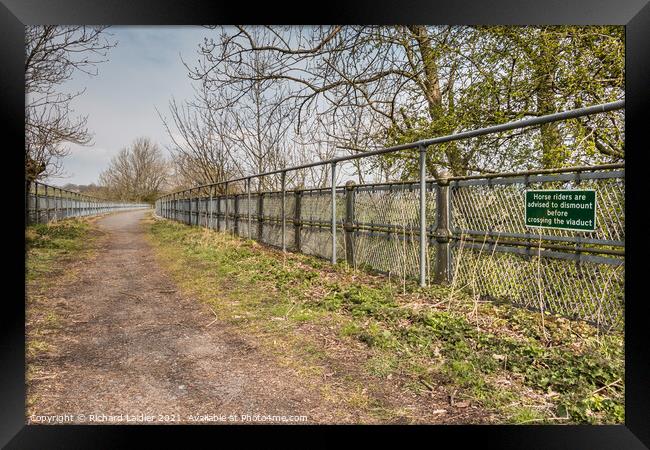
[131,348]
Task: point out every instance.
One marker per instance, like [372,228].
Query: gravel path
[131,346]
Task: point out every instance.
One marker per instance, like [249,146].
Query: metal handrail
[77,204]
[524,123]
[442,220]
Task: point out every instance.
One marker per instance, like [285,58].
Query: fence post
[56,206]
[198,210]
[189,208]
[284,212]
[190,219]
[37,213]
[226,213]
[47,204]
[207,205]
[219,221]
[210,221]
[349,223]
[27,187]
[248,206]
[260,216]
[297,220]
[442,235]
[423,216]
[334,213]
[236,215]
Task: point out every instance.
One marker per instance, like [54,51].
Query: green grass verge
[47,248]
[49,244]
[491,354]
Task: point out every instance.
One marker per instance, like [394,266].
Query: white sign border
[526,191]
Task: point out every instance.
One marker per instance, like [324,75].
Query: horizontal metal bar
[414,237]
[539,178]
[74,195]
[565,248]
[545,253]
[408,186]
[605,171]
[539,172]
[525,123]
[575,239]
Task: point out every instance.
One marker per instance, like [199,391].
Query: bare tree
[334,72]
[381,85]
[136,173]
[257,130]
[52,55]
[222,134]
[198,151]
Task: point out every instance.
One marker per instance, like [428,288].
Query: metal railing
[45,203]
[469,231]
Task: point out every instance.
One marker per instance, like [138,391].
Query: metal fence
[45,203]
[469,231]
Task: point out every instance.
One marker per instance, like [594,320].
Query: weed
[555,369]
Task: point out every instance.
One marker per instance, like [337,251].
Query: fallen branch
[215,317]
[613,383]
[427,384]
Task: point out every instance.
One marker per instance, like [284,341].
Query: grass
[48,248]
[48,244]
[489,354]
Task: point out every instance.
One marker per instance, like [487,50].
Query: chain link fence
[45,203]
[468,231]
[573,273]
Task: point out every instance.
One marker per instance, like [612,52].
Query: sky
[142,73]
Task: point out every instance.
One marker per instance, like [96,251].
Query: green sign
[565,210]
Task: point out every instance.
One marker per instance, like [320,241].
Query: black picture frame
[634,14]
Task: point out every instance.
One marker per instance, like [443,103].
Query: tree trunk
[553,153]
[436,110]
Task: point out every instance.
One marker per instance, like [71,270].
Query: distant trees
[52,55]
[136,173]
[91,189]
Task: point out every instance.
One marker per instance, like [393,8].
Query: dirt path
[131,344]
[129,347]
